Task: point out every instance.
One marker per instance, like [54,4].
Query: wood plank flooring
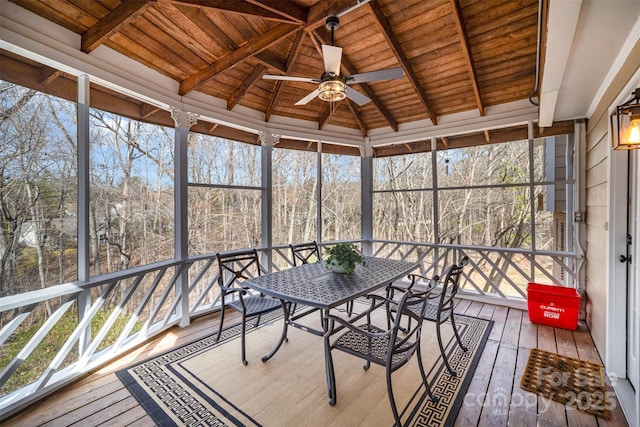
[494,397]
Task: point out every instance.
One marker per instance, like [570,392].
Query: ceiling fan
[332,85]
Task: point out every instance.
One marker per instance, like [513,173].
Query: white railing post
[84,274]
[532,195]
[580,232]
[436,210]
[319,177]
[183,120]
[366,190]
[267,142]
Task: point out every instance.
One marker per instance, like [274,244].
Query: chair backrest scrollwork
[236,267]
[450,286]
[304,253]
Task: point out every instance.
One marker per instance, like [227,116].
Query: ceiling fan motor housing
[332,23]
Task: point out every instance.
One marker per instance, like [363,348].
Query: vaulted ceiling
[456,55]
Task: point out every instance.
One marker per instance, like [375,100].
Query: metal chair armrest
[391,290]
[229,290]
[348,325]
[433,281]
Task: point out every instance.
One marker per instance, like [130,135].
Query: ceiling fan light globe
[332,91]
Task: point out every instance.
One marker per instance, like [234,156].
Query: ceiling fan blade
[290,78]
[308,98]
[332,57]
[356,96]
[389,74]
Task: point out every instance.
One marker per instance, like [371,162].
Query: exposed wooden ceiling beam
[466,48]
[123,14]
[324,117]
[318,12]
[295,50]
[286,8]
[269,60]
[212,31]
[147,110]
[351,69]
[233,58]
[356,114]
[394,43]
[316,17]
[248,8]
[49,74]
[317,41]
[279,86]
[237,95]
[274,100]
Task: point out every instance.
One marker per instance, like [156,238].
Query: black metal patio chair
[384,347]
[233,269]
[303,253]
[441,304]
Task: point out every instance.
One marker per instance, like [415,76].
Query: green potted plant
[343,257]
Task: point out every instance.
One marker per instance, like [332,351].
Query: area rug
[573,382]
[205,383]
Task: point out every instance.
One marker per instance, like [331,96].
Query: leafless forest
[483,194]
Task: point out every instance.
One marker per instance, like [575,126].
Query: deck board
[511,331]
[470,412]
[523,405]
[494,397]
[550,413]
[500,388]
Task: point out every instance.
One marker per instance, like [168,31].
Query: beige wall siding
[596,235]
[597,197]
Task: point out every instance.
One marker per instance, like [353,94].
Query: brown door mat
[573,382]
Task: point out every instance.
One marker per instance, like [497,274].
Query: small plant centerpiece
[343,257]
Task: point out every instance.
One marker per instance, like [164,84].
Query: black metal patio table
[314,285]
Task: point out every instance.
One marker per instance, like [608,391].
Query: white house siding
[597,158]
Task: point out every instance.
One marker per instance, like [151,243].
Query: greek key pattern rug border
[167,396]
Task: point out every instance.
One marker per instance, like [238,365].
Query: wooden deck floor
[494,397]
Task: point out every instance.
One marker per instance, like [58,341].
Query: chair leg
[221,322]
[244,328]
[350,308]
[331,376]
[392,400]
[283,335]
[423,373]
[455,331]
[442,352]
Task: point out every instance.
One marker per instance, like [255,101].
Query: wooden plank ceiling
[457,55]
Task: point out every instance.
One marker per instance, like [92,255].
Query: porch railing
[112,314]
